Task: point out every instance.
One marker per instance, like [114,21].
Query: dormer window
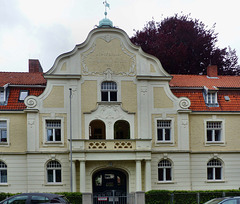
[22,95]
[210,97]
[2,97]
[109,91]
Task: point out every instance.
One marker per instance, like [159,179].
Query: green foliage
[186,46]
[74,198]
[158,197]
[186,197]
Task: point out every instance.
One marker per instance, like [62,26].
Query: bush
[186,197]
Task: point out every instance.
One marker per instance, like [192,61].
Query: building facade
[110,114]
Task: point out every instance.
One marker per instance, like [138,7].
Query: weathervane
[107,5]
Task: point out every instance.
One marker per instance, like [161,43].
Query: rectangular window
[214,131]
[53,130]
[164,130]
[211,99]
[109,91]
[3,131]
[23,94]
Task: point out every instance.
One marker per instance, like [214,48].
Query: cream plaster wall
[161,100]
[17,132]
[180,171]
[107,53]
[55,99]
[88,100]
[231,171]
[42,128]
[197,133]
[154,129]
[37,173]
[129,100]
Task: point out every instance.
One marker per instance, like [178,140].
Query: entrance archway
[107,181]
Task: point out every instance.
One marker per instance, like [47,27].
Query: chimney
[212,71]
[34,66]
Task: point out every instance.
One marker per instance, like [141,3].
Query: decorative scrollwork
[31,102]
[184,103]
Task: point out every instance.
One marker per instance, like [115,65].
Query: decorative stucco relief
[184,103]
[31,101]
[108,53]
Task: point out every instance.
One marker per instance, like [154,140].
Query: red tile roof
[21,78]
[203,80]
[198,103]
[13,103]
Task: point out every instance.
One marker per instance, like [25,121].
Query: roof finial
[105,22]
[107,5]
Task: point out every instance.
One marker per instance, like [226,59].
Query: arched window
[214,170]
[109,91]
[164,170]
[121,130]
[97,130]
[54,172]
[3,172]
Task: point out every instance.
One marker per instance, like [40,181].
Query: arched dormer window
[109,91]
[97,130]
[121,130]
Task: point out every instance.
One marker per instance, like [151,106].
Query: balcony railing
[123,145]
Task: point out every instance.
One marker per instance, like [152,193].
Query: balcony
[111,145]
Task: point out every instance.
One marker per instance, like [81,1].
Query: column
[74,176]
[148,178]
[82,177]
[138,176]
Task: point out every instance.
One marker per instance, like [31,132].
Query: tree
[185,46]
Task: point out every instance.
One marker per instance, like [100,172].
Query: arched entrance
[109,184]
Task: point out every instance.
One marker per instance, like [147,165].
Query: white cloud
[45,29]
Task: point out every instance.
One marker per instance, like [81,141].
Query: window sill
[4,144]
[109,102]
[215,143]
[54,184]
[170,143]
[165,182]
[4,184]
[53,144]
[215,181]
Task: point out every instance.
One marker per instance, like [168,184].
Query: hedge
[186,197]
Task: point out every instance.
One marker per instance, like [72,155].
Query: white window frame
[164,141]
[211,98]
[2,96]
[7,123]
[54,169]
[213,141]
[3,167]
[213,167]
[164,168]
[46,142]
[109,91]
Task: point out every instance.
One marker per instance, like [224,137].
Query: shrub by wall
[186,197]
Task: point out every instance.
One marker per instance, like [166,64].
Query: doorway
[109,185]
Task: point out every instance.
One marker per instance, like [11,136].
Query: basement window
[22,95]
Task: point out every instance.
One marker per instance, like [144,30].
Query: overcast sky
[44,29]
